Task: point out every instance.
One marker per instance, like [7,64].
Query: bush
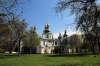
[57,49]
[1,50]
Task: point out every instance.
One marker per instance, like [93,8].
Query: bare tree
[10,8]
[18,28]
[86,11]
[81,9]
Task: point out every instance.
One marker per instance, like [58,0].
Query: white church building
[47,42]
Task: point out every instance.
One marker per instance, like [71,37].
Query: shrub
[57,49]
[1,50]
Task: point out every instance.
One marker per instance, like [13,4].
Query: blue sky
[41,12]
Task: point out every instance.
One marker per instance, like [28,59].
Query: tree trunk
[60,51]
[85,50]
[19,48]
[93,45]
[93,49]
[99,44]
[99,47]
[10,50]
[72,50]
[30,51]
[79,50]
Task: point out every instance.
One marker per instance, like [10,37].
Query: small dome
[59,34]
[65,31]
[65,35]
[34,28]
[47,26]
[47,30]
[59,37]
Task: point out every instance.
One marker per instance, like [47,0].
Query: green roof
[59,37]
[35,31]
[65,35]
[47,31]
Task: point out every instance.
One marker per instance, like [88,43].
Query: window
[47,36]
[55,42]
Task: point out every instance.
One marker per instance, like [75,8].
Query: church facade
[47,42]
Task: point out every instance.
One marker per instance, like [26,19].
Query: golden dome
[34,28]
[59,34]
[47,26]
[65,31]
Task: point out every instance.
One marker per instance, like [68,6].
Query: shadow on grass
[69,64]
[71,55]
[5,56]
[97,64]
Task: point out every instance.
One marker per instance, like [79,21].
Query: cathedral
[47,42]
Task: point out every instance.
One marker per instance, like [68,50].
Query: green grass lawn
[49,60]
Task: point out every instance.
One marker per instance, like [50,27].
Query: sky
[41,12]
